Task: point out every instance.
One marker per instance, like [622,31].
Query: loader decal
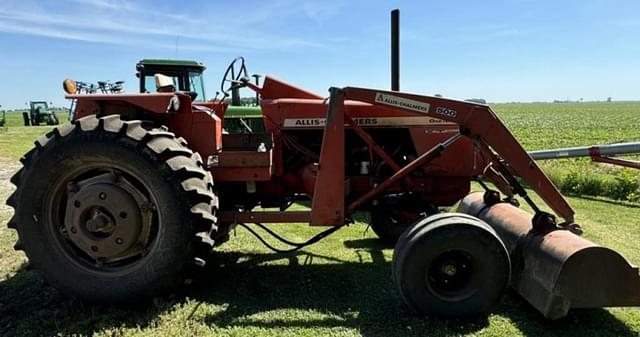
[369,121]
[446,112]
[402,102]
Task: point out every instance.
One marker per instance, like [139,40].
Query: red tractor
[129,200]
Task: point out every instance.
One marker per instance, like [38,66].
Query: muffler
[557,270]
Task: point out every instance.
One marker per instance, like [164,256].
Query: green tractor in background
[187,77]
[39,113]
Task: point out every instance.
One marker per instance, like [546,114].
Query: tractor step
[557,270]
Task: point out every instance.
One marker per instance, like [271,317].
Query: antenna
[177,41]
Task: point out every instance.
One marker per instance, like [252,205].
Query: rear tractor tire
[451,265]
[111,211]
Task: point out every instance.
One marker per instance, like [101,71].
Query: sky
[502,50]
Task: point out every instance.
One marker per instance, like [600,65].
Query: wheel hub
[107,217]
[449,269]
[450,274]
[100,223]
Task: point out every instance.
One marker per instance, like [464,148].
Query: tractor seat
[164,83]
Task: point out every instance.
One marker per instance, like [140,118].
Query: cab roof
[170,63]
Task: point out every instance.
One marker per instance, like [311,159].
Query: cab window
[150,83]
[196,84]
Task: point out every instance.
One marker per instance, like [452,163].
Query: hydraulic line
[296,245]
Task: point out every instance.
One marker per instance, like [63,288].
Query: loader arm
[489,134]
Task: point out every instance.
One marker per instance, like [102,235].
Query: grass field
[340,286]
[547,126]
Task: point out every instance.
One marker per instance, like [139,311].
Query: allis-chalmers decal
[402,102]
[369,121]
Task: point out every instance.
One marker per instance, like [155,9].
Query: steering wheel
[234,76]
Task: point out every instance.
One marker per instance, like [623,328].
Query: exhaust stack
[395,50]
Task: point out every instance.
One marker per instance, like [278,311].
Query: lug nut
[94,248]
[102,195]
[76,203]
[74,230]
[449,269]
[119,241]
[72,187]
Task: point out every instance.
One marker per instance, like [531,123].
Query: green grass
[14,118]
[550,125]
[16,139]
[340,286]
[547,126]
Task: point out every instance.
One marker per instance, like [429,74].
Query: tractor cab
[39,112]
[186,76]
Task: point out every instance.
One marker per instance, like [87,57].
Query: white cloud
[127,23]
[109,4]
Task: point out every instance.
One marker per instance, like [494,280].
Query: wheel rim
[103,219]
[450,276]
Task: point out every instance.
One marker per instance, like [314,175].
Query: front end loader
[127,202]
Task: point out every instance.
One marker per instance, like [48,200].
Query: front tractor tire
[113,211]
[451,265]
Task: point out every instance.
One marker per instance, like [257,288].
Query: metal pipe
[586,151]
[235,96]
[232,217]
[257,79]
[395,50]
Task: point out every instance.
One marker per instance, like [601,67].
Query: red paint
[491,135]
[327,207]
[594,152]
[201,129]
[445,179]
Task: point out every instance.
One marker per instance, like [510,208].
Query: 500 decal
[446,112]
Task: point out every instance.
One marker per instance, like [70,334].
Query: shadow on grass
[29,307]
[307,291]
[329,293]
[579,322]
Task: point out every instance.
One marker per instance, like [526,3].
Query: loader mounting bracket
[491,197]
[543,222]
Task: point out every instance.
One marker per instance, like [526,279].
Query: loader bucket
[558,270]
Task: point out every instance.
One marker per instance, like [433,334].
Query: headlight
[69,86]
